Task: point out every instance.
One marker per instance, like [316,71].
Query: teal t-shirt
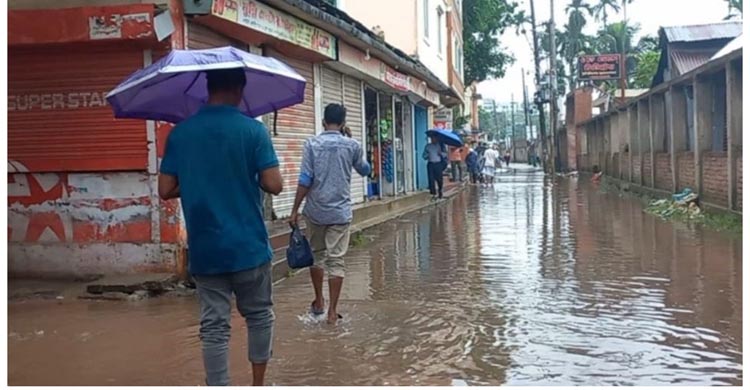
[217,155]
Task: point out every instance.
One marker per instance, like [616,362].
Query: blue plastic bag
[298,254]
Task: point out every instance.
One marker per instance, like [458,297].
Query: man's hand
[293,219]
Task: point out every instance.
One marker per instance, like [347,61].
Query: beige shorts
[329,244]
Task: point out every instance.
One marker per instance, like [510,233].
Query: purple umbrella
[174,88]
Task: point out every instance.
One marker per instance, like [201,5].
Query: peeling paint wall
[68,224]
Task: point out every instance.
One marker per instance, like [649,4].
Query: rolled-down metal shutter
[202,37]
[294,126]
[58,118]
[333,87]
[354,119]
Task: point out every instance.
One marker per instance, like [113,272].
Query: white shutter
[355,121]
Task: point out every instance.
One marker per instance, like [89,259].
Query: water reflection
[525,283]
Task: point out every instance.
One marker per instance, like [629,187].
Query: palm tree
[576,16]
[601,10]
[574,42]
[735,9]
[617,38]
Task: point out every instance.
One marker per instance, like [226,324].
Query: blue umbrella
[174,88]
[446,136]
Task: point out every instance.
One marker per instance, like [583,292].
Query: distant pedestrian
[456,157]
[472,165]
[491,159]
[480,153]
[507,157]
[325,180]
[217,162]
[436,157]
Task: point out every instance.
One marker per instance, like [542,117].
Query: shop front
[81,184]
[389,121]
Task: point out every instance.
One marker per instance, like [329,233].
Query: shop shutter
[294,125]
[332,87]
[202,37]
[58,118]
[354,119]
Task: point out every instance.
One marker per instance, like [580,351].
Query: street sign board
[599,67]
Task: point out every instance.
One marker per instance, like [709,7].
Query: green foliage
[647,64]
[735,9]
[459,120]
[484,23]
[669,210]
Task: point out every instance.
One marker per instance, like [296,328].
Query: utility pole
[527,118]
[513,127]
[553,87]
[538,79]
[494,114]
[623,66]
[526,124]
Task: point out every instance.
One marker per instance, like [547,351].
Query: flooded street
[520,284]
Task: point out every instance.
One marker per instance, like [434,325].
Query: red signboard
[129,22]
[599,67]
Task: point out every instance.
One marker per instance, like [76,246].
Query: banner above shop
[382,75]
[260,17]
[82,24]
[393,78]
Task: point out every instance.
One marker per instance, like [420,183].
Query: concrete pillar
[659,122]
[633,138]
[676,119]
[734,126]
[644,136]
[702,106]
[653,115]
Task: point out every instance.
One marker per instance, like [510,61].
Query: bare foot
[333,318]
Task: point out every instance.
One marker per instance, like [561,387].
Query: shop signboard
[81,24]
[260,17]
[398,81]
[443,118]
[599,67]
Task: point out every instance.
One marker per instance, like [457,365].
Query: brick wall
[686,170]
[663,171]
[715,178]
[647,170]
[636,169]
[739,183]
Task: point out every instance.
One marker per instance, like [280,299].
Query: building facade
[83,196]
[427,30]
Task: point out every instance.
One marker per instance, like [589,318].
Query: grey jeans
[252,290]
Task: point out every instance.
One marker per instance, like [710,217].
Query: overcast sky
[650,14]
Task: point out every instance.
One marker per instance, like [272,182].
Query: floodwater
[520,284]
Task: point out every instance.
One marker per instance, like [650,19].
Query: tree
[573,41]
[647,62]
[484,23]
[735,9]
[647,43]
[601,9]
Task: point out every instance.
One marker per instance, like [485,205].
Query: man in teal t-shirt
[217,162]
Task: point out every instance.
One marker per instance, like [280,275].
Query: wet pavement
[520,284]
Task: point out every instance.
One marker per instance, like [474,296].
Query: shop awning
[82,24]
